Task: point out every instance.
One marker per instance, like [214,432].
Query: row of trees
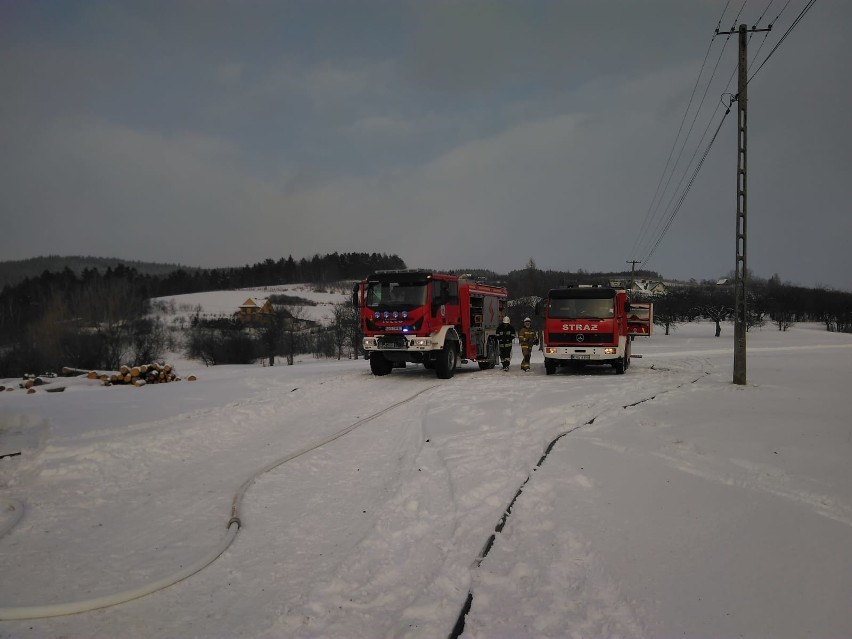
[25,302]
[101,325]
[767,301]
[101,320]
[283,333]
[334,267]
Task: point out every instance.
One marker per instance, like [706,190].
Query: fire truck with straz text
[591,325]
[434,319]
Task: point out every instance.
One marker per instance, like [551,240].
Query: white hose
[327,440]
[56,610]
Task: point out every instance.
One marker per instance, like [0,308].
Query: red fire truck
[591,325]
[434,319]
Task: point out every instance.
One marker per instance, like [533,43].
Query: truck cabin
[406,291]
[582,303]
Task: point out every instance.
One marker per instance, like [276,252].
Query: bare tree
[109,307]
[293,333]
[669,310]
[149,340]
[271,332]
[344,328]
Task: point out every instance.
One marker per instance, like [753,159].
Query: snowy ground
[673,504]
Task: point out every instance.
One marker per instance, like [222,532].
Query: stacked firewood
[154,373]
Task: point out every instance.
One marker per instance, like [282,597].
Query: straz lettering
[579,327]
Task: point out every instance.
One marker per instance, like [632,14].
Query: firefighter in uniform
[527,338]
[505,337]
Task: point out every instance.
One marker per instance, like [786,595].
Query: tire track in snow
[606,593]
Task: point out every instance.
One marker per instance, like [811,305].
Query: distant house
[254,309]
[649,287]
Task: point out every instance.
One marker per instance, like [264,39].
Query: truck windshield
[398,295]
[577,308]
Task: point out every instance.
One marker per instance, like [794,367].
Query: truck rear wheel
[445,365]
[379,364]
[490,356]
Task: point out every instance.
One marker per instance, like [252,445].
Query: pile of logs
[32,381]
[155,373]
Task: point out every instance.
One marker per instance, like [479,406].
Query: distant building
[646,287]
[254,309]
[650,287]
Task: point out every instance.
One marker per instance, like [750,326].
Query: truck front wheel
[549,366]
[623,363]
[445,365]
[379,364]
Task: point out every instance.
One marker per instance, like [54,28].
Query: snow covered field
[226,303]
[672,503]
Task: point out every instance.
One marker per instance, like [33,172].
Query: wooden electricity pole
[633,264]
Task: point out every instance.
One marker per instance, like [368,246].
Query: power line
[665,222]
[687,189]
[653,207]
[648,216]
[651,229]
[783,37]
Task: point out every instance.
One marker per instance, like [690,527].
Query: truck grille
[590,339]
[392,342]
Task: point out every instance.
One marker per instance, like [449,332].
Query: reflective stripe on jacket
[505,334]
[527,336]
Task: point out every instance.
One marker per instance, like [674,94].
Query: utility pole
[740,306]
[633,264]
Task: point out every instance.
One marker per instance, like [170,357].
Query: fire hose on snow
[233,526]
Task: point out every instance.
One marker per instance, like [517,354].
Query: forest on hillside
[102,319]
[13,272]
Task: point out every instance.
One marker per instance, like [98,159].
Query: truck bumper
[583,353]
[397,343]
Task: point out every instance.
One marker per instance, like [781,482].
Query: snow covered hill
[226,303]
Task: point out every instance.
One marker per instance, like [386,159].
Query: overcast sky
[454,134]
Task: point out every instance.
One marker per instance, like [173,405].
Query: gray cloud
[454,134]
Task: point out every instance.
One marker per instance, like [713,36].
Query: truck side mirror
[538,308]
[355,290]
[626,307]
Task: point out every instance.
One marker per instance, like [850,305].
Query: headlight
[369,342]
[421,342]
[550,350]
[610,351]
